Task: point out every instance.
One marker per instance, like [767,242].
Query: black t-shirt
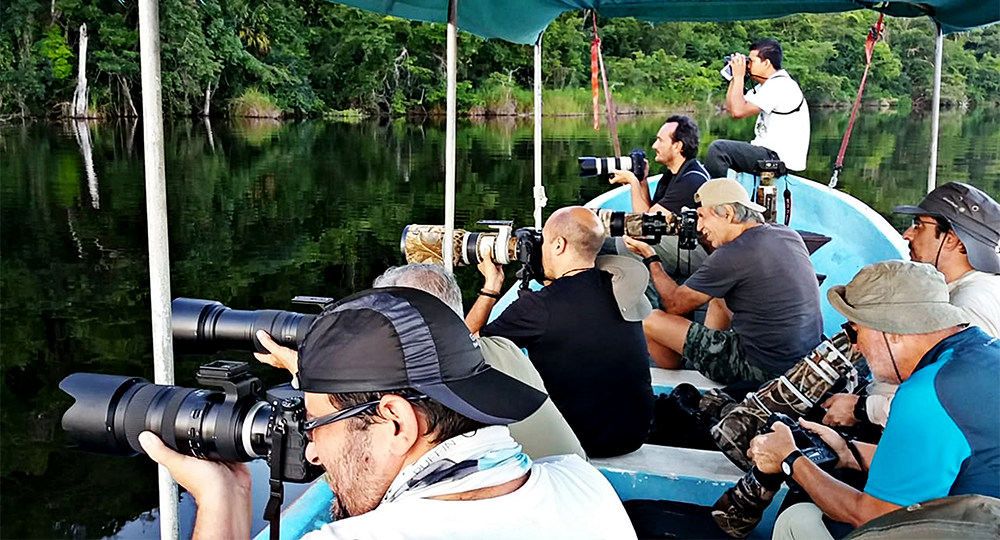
[770,285]
[675,191]
[594,363]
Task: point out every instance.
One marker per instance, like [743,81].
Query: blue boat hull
[859,236]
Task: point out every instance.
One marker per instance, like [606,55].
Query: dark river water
[260,212]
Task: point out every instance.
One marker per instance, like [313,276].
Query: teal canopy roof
[521,21]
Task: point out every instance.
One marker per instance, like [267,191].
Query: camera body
[529,254]
[233,425]
[811,444]
[687,228]
[604,167]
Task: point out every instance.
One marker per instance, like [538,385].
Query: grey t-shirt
[768,282]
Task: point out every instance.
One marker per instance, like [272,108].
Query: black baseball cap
[393,338]
[973,214]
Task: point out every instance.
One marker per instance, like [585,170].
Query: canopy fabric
[522,21]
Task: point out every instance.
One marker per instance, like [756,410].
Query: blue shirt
[943,433]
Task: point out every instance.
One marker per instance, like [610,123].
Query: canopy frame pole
[156,229]
[935,111]
[539,193]
[447,246]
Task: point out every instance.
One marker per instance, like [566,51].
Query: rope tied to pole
[597,59]
[874,36]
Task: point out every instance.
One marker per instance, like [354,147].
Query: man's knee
[802,521]
[717,161]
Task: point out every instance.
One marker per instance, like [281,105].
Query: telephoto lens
[112,410]
[207,327]
[605,167]
[234,425]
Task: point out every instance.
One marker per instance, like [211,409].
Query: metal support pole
[935,111]
[156,217]
[447,247]
[539,193]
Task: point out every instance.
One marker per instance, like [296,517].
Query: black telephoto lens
[207,327]
[111,411]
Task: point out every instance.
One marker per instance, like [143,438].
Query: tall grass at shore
[512,101]
[254,103]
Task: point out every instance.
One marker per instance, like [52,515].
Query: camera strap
[272,512]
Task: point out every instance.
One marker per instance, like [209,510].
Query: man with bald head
[580,340]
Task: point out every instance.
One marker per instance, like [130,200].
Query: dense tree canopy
[314,56]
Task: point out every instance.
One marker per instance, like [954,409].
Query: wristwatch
[786,464]
[861,409]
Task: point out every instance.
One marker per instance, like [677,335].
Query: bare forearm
[479,314]
[665,286]
[224,517]
[836,499]
[640,197]
[734,96]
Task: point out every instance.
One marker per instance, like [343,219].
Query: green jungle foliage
[312,56]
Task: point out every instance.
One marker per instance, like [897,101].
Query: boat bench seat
[666,473]
[669,473]
[664,380]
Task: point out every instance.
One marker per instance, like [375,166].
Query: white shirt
[785,134]
[978,293]
[564,497]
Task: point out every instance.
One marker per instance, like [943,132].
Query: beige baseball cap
[724,191]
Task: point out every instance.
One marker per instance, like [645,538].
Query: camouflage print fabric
[716,354]
[742,506]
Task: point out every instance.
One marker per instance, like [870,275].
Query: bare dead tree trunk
[80,94]
[128,96]
[208,100]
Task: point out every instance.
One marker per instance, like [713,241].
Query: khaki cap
[724,191]
[899,297]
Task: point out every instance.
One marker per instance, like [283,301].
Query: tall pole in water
[447,247]
[935,111]
[156,229]
[539,192]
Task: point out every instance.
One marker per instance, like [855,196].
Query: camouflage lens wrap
[793,393]
[632,222]
[716,354]
[423,244]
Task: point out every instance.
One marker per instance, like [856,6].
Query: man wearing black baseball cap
[410,424]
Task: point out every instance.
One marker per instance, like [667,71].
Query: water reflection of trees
[316,209]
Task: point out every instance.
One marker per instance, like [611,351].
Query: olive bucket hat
[973,214]
[899,297]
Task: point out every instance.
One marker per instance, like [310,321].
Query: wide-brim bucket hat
[629,279]
[973,214]
[898,297]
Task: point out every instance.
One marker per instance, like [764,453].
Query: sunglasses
[309,425]
[850,332]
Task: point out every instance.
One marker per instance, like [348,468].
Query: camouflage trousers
[716,355]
